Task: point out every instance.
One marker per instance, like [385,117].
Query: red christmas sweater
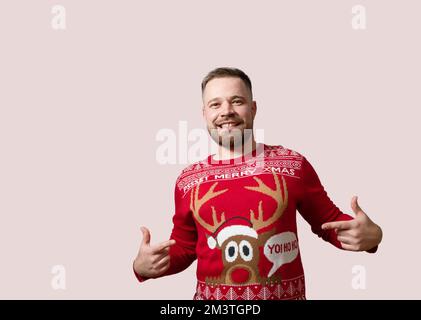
[238,219]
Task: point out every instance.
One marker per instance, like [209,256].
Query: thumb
[146,236]
[355,206]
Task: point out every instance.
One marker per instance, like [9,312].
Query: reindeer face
[240,255]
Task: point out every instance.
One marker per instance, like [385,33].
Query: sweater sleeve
[316,207]
[183,252]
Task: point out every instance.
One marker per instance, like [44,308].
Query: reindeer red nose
[240,275]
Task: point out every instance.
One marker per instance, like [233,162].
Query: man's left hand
[359,234]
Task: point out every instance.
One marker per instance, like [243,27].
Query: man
[236,210]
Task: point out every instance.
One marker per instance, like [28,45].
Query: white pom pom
[211,242]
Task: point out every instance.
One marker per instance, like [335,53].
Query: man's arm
[317,209]
[358,234]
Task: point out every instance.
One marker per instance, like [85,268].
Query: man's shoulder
[278,157]
[195,167]
[193,171]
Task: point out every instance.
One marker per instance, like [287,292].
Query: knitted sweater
[238,219]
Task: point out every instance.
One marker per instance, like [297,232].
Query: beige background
[80,109]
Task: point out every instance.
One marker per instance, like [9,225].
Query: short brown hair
[227,72]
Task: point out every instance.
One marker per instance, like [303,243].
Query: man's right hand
[152,260]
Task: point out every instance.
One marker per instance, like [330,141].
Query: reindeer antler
[276,194]
[196,204]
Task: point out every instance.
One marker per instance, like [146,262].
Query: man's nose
[226,109]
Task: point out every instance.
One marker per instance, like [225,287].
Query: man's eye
[236,101]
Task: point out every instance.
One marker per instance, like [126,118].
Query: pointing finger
[340,225]
[346,233]
[160,247]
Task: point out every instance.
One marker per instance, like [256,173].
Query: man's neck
[225,153]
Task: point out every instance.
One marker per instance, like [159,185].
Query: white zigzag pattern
[294,290]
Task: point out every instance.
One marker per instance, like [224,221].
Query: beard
[233,138]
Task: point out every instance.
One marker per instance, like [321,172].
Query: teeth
[227,125]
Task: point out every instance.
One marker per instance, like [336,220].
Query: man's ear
[254,108]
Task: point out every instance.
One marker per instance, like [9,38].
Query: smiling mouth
[227,125]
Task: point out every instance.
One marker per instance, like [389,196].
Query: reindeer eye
[246,250]
[231,251]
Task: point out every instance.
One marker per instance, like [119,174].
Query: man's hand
[152,260]
[359,234]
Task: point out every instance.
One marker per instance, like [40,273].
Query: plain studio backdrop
[80,109]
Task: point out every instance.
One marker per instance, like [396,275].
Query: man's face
[228,109]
